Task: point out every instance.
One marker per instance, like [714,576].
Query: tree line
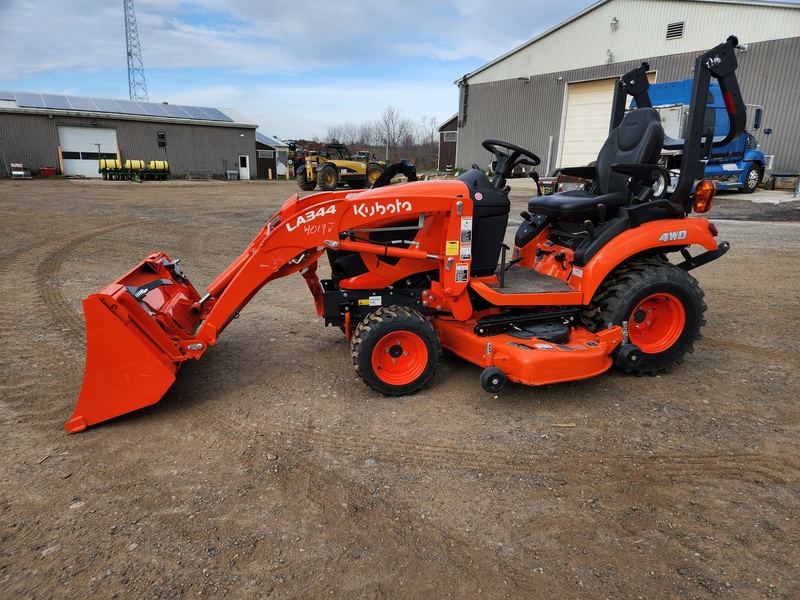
[391,137]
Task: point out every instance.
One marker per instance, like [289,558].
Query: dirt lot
[270,470]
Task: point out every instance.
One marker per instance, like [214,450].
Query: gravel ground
[270,470]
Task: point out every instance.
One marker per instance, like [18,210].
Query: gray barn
[553,94]
[71,133]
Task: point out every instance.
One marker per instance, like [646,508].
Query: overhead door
[586,122]
[587,119]
[81,147]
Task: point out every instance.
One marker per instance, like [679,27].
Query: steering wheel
[505,161]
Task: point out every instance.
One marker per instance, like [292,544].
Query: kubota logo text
[310,216]
[673,236]
[380,209]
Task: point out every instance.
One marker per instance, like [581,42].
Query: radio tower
[137,87]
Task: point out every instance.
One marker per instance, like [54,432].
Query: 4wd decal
[673,236]
[310,216]
[378,208]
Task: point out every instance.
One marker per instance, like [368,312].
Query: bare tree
[392,136]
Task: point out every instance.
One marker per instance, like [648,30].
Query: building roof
[270,141]
[556,50]
[34,102]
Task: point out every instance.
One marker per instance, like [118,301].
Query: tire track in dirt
[755,467]
[47,273]
[660,469]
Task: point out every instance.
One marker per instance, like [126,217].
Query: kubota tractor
[333,166]
[597,276]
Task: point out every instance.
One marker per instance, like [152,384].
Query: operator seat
[637,140]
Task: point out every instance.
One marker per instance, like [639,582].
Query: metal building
[553,93]
[272,157]
[71,133]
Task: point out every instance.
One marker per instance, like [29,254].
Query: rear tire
[395,350]
[663,305]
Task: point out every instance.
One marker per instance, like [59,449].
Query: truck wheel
[663,305]
[373,172]
[327,179]
[751,179]
[395,350]
[303,181]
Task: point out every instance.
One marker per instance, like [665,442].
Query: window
[675,30]
[266,154]
[449,136]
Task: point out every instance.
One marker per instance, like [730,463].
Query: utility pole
[137,87]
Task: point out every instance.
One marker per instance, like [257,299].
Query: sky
[293,68]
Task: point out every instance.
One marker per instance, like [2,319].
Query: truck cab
[738,165]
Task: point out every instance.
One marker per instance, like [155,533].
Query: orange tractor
[421,266]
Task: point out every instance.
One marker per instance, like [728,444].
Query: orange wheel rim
[399,358]
[656,323]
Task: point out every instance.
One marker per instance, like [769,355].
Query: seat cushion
[576,204]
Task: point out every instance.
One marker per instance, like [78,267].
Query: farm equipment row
[134,169]
[597,276]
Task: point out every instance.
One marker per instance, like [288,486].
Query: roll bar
[720,63]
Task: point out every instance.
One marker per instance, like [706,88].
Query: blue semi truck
[739,165]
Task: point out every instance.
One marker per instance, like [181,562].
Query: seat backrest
[637,140]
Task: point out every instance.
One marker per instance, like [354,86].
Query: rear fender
[665,235]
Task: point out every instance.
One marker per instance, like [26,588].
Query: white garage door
[587,119]
[586,122]
[79,150]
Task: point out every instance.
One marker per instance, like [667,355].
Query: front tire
[395,350]
[373,172]
[664,308]
[751,179]
[327,179]
[303,182]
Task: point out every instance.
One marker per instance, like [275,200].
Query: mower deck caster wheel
[493,379]
[629,356]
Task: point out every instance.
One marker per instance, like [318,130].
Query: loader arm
[141,328]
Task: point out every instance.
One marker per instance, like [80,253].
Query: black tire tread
[630,274]
[401,318]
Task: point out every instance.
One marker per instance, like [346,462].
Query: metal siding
[527,113]
[770,76]
[33,140]
[641,32]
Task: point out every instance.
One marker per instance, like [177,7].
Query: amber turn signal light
[704,193]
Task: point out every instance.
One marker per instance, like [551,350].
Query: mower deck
[529,360]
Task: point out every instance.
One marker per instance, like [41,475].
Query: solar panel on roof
[195,113]
[175,110]
[153,109]
[107,105]
[216,115]
[55,101]
[130,107]
[81,103]
[30,100]
[110,105]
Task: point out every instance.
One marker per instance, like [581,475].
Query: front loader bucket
[138,331]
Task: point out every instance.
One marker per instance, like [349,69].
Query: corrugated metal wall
[33,139]
[528,113]
[641,30]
